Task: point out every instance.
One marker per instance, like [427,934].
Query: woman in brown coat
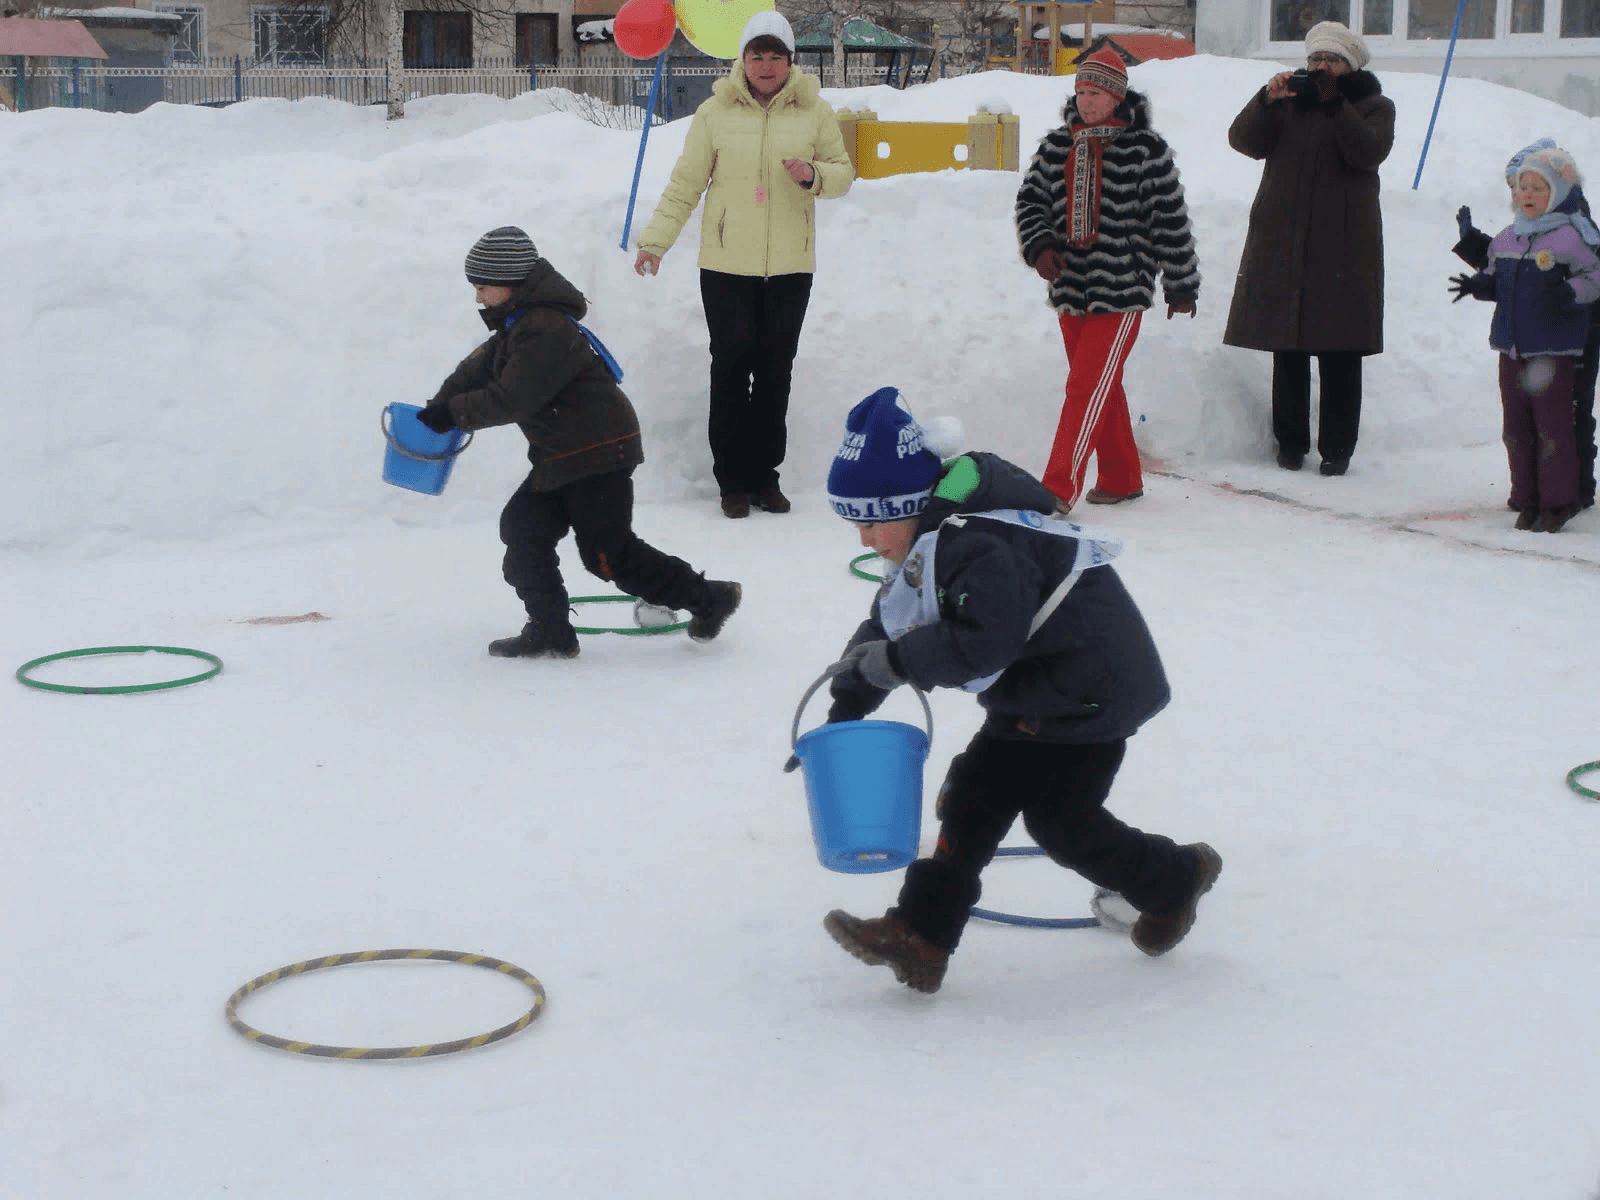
[1311,279]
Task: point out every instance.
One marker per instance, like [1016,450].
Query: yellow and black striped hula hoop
[364,1052]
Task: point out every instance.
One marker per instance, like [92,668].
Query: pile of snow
[209,308]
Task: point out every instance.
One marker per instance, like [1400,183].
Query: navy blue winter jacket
[1543,286]
[1090,674]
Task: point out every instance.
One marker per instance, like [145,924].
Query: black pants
[1060,791]
[1583,414]
[1339,419]
[599,511]
[755,332]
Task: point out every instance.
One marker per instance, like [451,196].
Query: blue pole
[649,118]
[1455,31]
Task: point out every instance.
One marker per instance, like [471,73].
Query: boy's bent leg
[531,526]
[982,792]
[601,509]
[915,937]
[1066,815]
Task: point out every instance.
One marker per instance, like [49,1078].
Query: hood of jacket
[982,482]
[544,286]
[1134,109]
[734,88]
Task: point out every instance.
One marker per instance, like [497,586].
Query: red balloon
[644,28]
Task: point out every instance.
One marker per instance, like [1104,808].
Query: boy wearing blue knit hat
[988,591]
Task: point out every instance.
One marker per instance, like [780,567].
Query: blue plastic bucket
[864,790]
[417,458]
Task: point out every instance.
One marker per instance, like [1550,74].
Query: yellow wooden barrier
[878,149]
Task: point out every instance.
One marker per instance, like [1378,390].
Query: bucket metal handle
[384,421]
[839,668]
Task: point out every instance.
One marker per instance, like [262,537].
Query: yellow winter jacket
[758,221]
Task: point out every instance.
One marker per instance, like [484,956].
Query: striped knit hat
[500,257]
[1104,69]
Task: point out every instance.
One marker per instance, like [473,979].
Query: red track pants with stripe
[1094,418]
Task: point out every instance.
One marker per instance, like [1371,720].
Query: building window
[1291,19]
[290,36]
[536,39]
[1431,19]
[190,44]
[1580,18]
[1377,18]
[438,39]
[1527,16]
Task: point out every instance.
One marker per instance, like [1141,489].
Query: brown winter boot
[889,941]
[1156,933]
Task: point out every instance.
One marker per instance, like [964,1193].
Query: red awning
[47,39]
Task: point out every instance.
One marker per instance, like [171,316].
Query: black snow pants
[1060,791]
[599,512]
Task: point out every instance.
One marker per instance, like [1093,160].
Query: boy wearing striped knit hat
[1100,211]
[539,370]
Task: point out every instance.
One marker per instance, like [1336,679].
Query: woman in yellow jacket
[761,150]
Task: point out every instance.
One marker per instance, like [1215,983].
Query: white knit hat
[1334,38]
[769,22]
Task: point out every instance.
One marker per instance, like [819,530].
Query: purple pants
[1536,396]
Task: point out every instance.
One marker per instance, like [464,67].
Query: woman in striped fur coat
[1099,213]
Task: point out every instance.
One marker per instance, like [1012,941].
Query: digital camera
[1301,83]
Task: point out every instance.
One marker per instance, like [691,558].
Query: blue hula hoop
[1000,918]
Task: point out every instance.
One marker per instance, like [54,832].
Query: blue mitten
[1464,225]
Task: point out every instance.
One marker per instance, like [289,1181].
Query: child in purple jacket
[1542,277]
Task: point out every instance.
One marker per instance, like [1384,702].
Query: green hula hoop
[22,671]
[856,570]
[635,631]
[1572,780]
[368,1052]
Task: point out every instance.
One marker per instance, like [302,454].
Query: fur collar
[1134,109]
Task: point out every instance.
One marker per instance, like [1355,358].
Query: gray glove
[874,662]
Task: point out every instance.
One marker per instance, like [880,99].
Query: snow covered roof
[113,16]
[47,39]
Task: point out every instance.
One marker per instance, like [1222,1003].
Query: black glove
[1479,287]
[1464,226]
[437,418]
[874,663]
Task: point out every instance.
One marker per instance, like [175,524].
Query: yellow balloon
[714,26]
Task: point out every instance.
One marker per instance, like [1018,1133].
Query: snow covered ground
[1378,687]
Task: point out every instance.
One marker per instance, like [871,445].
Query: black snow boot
[1156,933]
[711,613]
[538,641]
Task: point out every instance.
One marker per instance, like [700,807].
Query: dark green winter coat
[539,371]
[1311,276]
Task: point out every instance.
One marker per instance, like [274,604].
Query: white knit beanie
[1334,38]
[769,22]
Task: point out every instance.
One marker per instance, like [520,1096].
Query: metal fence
[623,86]
[620,83]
